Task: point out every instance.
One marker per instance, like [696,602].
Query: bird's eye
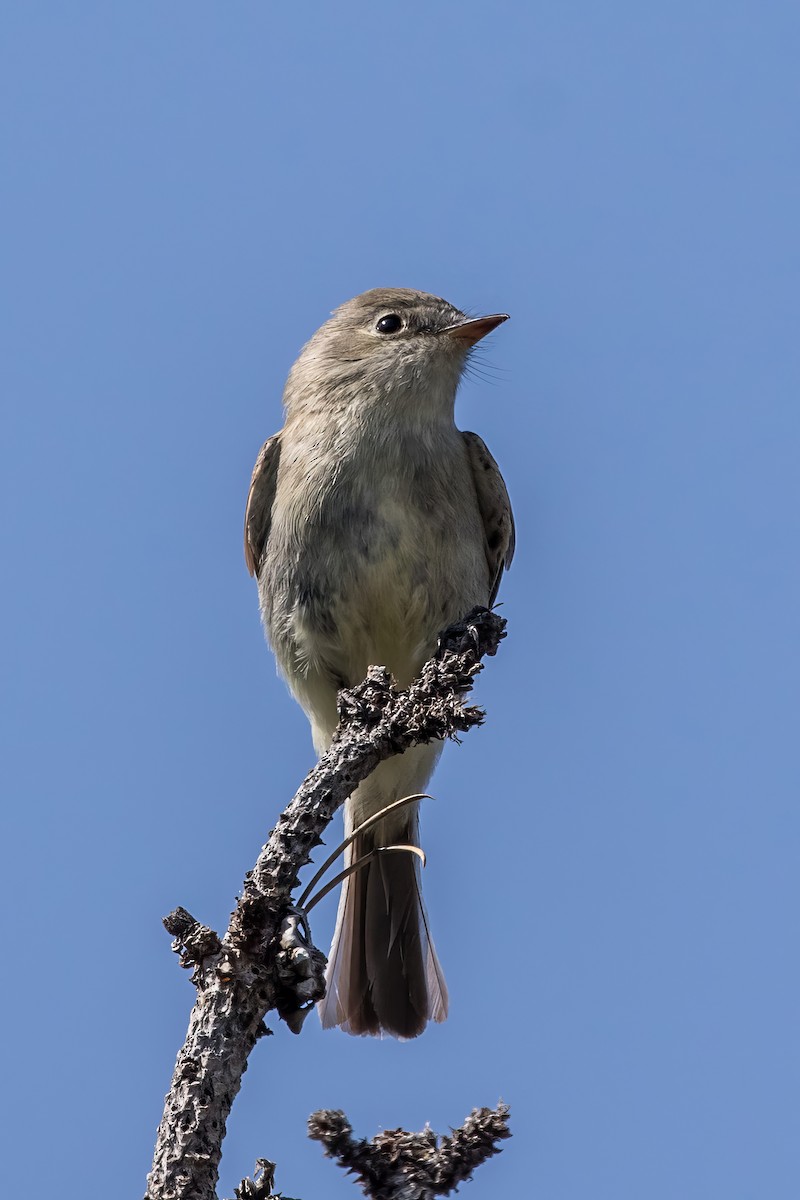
[389,324]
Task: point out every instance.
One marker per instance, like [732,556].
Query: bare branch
[265,960]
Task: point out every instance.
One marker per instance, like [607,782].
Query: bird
[372,523]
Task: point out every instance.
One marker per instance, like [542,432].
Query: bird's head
[385,348]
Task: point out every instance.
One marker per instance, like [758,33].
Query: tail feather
[438,998]
[383,972]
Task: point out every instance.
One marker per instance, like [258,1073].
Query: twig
[397,1165]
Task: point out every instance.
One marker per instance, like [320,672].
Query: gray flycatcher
[372,523]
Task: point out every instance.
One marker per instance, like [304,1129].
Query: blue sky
[612,879]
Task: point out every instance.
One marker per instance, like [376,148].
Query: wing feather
[260,498]
[495,510]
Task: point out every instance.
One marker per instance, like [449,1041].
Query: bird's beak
[472,331]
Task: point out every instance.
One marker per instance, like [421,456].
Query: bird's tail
[383,974]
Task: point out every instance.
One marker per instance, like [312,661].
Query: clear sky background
[189,189]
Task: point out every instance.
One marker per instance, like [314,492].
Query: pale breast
[368,563]
[423,571]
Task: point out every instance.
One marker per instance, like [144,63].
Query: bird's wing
[495,510]
[260,498]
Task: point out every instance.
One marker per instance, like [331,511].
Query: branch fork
[396,1165]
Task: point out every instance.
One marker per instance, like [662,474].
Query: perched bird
[372,523]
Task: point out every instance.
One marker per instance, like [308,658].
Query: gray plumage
[372,523]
